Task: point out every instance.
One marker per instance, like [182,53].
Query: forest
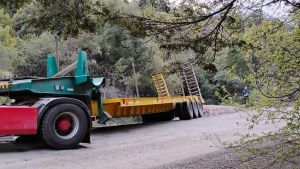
[231,44]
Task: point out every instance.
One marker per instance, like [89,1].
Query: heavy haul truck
[60,109]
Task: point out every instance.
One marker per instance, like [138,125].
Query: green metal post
[81,72]
[52,67]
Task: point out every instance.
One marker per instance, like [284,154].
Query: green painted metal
[81,85]
[82,71]
[53,86]
[52,67]
[103,117]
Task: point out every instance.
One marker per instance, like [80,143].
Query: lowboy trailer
[60,109]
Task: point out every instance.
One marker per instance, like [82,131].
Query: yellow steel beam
[150,100]
[121,107]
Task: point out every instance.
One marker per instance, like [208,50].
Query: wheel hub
[64,125]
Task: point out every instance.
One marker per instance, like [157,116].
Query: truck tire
[147,118]
[201,110]
[195,109]
[184,110]
[178,110]
[168,116]
[64,126]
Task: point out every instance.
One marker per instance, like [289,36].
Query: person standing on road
[245,94]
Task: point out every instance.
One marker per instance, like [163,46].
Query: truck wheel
[169,115]
[179,111]
[201,110]
[147,118]
[195,109]
[64,126]
[184,110]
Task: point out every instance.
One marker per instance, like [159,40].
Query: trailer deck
[122,107]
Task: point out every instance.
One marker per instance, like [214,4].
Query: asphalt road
[156,145]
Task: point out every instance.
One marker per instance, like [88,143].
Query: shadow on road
[127,127]
[11,146]
[7,147]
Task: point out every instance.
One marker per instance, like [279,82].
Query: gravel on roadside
[224,159]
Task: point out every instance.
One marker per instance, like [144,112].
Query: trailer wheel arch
[44,104]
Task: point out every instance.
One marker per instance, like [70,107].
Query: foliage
[219,87]
[7,55]
[233,62]
[174,85]
[5,101]
[11,6]
[66,18]
[7,42]
[208,87]
[275,57]
[31,60]
[159,5]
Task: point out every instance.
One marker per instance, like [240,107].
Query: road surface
[138,146]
